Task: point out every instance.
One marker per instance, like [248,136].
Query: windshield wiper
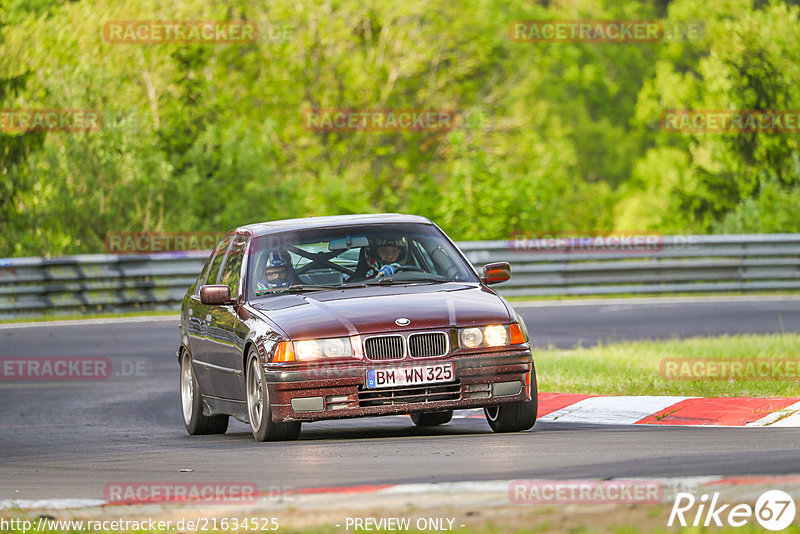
[299,288]
[380,282]
[392,281]
[302,288]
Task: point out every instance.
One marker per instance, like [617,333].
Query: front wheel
[431,418]
[514,417]
[259,410]
[193,419]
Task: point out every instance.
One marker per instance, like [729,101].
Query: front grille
[384,347]
[409,395]
[427,344]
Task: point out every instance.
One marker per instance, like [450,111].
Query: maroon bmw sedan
[349,316]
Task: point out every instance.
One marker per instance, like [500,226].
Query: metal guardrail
[698,263]
[753,262]
[95,283]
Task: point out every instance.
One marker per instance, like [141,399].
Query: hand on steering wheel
[392,268]
[388,270]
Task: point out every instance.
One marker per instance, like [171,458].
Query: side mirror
[494,273]
[215,295]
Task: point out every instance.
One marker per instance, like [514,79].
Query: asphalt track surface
[70,439]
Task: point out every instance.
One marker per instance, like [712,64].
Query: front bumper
[333,392]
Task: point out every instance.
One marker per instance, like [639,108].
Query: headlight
[315,349]
[495,335]
[471,337]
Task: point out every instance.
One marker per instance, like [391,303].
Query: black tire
[192,405]
[431,418]
[259,410]
[514,417]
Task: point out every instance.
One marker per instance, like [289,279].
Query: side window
[216,261]
[231,272]
[201,277]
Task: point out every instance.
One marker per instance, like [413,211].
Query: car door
[206,375]
[226,332]
[195,316]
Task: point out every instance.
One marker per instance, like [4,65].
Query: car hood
[375,309]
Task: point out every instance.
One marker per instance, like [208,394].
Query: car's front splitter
[319,393]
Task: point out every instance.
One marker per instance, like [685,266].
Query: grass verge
[633,368]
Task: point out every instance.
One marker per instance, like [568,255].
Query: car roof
[284,225]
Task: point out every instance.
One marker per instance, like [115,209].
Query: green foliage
[551,136]
[731,182]
[15,147]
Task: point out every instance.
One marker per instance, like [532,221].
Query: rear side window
[216,261]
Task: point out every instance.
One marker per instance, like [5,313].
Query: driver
[384,256]
[278,272]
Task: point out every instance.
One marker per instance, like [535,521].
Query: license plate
[410,376]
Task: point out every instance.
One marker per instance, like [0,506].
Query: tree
[15,147]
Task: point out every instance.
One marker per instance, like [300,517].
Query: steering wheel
[410,268]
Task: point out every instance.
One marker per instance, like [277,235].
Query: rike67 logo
[774,510]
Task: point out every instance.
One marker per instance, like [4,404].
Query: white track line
[497,487]
[621,410]
[50,504]
[89,322]
[793,419]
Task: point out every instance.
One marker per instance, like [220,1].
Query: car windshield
[353,256]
